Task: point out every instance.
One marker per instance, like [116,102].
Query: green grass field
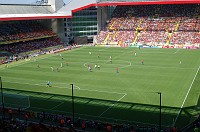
[130,95]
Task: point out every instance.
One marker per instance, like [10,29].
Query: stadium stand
[152,24]
[156,24]
[22,47]
[23,30]
[19,37]
[22,120]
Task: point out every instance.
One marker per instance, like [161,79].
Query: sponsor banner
[145,46]
[112,45]
[196,46]
[168,46]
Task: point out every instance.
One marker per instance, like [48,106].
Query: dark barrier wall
[80,40]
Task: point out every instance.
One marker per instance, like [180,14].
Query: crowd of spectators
[21,47]
[17,120]
[11,32]
[19,38]
[178,24]
[196,125]
[21,120]
[102,36]
[183,37]
[153,37]
[189,24]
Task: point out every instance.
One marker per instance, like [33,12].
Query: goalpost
[15,101]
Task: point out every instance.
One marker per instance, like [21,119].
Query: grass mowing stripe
[186,96]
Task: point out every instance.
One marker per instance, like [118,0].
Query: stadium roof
[30,12]
[25,9]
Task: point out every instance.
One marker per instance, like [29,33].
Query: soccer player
[98,56]
[110,59]
[135,54]
[95,66]
[98,67]
[90,53]
[142,62]
[90,68]
[57,69]
[52,68]
[180,62]
[38,65]
[48,84]
[117,70]
[61,64]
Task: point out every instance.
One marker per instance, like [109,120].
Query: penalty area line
[76,87]
[186,95]
[44,84]
[112,105]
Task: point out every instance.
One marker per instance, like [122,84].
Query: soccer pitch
[104,94]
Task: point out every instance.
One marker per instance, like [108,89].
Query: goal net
[15,101]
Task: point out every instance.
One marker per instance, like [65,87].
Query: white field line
[118,60]
[124,94]
[154,53]
[159,52]
[186,95]
[78,88]
[112,105]
[57,105]
[145,66]
[42,85]
[164,67]
[176,51]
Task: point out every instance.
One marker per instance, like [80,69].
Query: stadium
[100,65]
